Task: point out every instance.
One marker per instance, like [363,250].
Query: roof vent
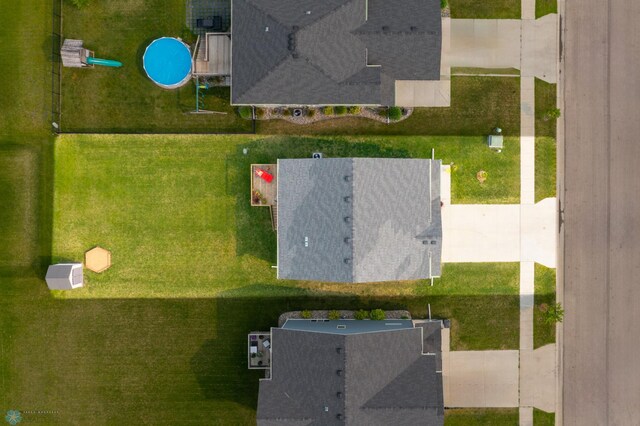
[308,12]
[348,178]
[339,416]
[339,372]
[266,29]
[433,242]
[385,28]
[295,28]
[413,28]
[347,219]
[347,240]
[326,409]
[295,55]
[347,260]
[339,350]
[339,395]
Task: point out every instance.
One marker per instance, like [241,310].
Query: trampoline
[167,62]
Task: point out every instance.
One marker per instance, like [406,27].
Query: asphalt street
[599,174]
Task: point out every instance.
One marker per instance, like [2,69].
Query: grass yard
[481,417]
[542,418]
[176,206]
[545,7]
[545,101]
[545,168]
[483,9]
[478,104]
[125,100]
[484,71]
[544,293]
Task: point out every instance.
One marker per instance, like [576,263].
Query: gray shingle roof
[359,219]
[384,379]
[309,52]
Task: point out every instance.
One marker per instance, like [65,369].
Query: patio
[259,349]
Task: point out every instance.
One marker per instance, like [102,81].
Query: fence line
[56,67]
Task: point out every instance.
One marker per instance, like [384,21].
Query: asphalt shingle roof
[384,379]
[359,219]
[333,51]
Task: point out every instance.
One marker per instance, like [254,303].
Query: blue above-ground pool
[167,62]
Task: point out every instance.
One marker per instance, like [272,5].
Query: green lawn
[478,104]
[545,7]
[545,100]
[481,417]
[123,99]
[542,418]
[544,293]
[483,9]
[545,168]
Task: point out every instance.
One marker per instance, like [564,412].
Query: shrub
[553,113]
[80,3]
[383,112]
[444,4]
[361,314]
[395,113]
[327,110]
[287,112]
[305,314]
[311,112]
[404,317]
[245,112]
[334,315]
[340,110]
[354,110]
[260,112]
[377,314]
[554,314]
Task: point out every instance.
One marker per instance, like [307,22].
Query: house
[64,276]
[358,219]
[349,372]
[332,52]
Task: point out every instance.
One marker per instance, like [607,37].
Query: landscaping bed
[478,105]
[544,298]
[306,115]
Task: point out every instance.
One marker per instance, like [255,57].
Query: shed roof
[332,52]
[359,219]
[64,276]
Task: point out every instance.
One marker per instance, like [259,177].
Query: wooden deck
[265,194]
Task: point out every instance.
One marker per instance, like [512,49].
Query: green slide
[104,62]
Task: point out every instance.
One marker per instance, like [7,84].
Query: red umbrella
[266,176]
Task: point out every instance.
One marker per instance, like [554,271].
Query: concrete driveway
[500,232]
[480,378]
[528,45]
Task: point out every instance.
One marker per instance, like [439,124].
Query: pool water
[167,61]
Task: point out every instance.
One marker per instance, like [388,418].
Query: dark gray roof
[359,219]
[384,379]
[333,51]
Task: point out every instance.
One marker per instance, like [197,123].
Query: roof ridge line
[353,221]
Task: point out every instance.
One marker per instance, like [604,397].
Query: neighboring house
[344,52]
[349,372]
[359,219]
